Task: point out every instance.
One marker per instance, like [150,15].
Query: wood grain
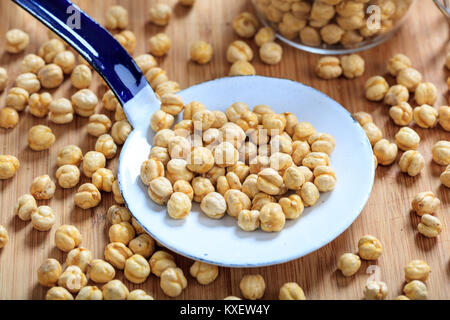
[387,215]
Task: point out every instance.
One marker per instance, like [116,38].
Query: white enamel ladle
[221,242]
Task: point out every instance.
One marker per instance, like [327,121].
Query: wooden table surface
[387,215]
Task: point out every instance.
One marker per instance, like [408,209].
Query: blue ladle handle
[93,42]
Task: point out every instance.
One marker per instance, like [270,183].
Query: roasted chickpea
[299,151]
[120,131]
[376,88]
[127,39]
[69,154]
[177,170]
[200,160]
[159,45]
[103,179]
[248,220]
[43,218]
[352,66]
[349,264]
[61,111]
[160,190]
[179,205]
[160,14]
[8,118]
[84,102]
[397,63]
[42,188]
[65,60]
[80,257]
[3,236]
[410,78]
[25,206]
[87,196]
[93,160]
[291,291]
[396,95]
[417,270]
[51,76]
[272,217]
[274,124]
[328,68]
[117,253]
[322,142]
[89,293]
[369,248]
[16,40]
[309,194]
[172,104]
[385,152]
[49,272]
[143,245]
[271,53]
[203,120]
[429,226]
[411,162]
[139,294]
[81,77]
[250,185]
[401,114]
[101,271]
[116,193]
[407,139]
[201,52]
[17,98]
[160,261]
[156,76]
[115,290]
[121,232]
[426,93]
[441,153]
[73,279]
[242,68]
[416,290]
[362,117]
[58,293]
[445,177]
[145,62]
[252,286]
[292,206]
[303,131]
[375,290]
[68,176]
[245,25]
[173,281]
[425,203]
[315,159]
[39,104]
[67,237]
[98,124]
[270,181]
[116,17]
[29,82]
[203,272]
[264,35]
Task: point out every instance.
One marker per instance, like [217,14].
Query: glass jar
[333,26]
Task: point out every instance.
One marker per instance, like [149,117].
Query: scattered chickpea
[117,253]
[407,139]
[252,286]
[155,76]
[58,293]
[84,102]
[69,154]
[160,14]
[145,62]
[116,17]
[116,193]
[17,98]
[369,248]
[103,179]
[66,60]
[3,236]
[167,87]
[32,63]
[173,282]
[429,226]
[396,95]
[444,117]
[397,63]
[352,66]
[101,271]
[127,39]
[51,76]
[426,93]
[271,53]
[39,104]
[43,218]
[349,264]
[375,290]
[16,40]
[89,293]
[3,79]
[203,272]
[8,118]
[143,245]
[93,161]
[401,114]
[81,77]
[425,116]
[245,25]
[441,152]
[291,291]
[242,68]
[42,188]
[445,177]
[49,272]
[264,35]
[80,257]
[25,206]
[61,111]
[29,82]
[417,270]
[410,78]
[160,261]
[425,203]
[67,237]
[201,52]
[139,294]
[376,88]
[115,290]
[106,145]
[385,152]
[416,290]
[328,68]
[411,162]
[159,45]
[87,196]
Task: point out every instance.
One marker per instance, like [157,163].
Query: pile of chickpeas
[130,248]
[257,166]
[328,23]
